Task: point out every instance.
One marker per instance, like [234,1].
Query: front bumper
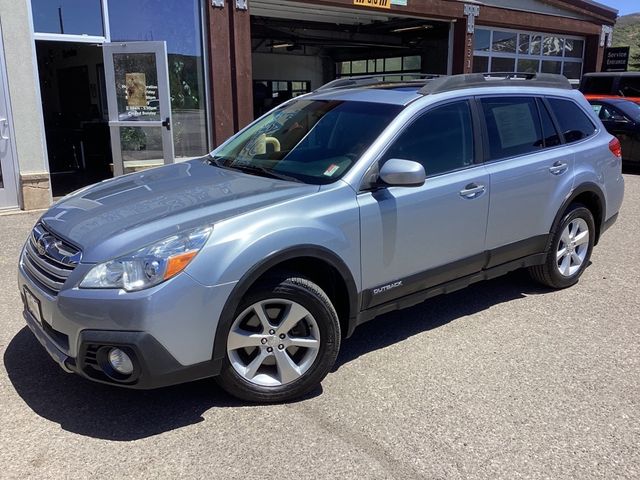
[169,329]
[155,367]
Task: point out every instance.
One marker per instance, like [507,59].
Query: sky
[624,6]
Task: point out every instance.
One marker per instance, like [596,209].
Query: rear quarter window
[574,123]
[597,85]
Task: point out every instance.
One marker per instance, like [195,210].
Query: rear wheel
[283,341]
[570,249]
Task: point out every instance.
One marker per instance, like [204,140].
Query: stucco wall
[24,89]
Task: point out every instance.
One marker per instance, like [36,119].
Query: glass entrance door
[139,105]
[8,183]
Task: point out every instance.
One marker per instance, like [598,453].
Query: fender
[273,259]
[587,187]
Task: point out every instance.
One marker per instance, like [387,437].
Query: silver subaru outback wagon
[254,263]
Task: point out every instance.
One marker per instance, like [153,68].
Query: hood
[124,214]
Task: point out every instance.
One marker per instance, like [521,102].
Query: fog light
[120,361]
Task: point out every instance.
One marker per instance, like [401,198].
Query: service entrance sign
[616,59]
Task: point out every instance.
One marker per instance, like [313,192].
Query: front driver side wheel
[570,249]
[283,341]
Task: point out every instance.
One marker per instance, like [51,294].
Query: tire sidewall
[330,336]
[577,211]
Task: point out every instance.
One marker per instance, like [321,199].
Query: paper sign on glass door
[136,89]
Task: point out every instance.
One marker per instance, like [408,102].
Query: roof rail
[366,80]
[495,79]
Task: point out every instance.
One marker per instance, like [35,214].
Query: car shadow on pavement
[102,411]
[398,326]
[110,413]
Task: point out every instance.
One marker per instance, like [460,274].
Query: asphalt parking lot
[502,380]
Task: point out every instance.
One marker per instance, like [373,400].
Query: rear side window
[630,86]
[574,123]
[441,139]
[513,126]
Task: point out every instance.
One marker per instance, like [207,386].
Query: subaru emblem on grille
[41,245]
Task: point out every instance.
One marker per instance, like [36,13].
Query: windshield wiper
[262,171]
[252,169]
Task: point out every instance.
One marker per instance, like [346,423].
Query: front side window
[311,141]
[574,123]
[513,126]
[610,114]
[441,139]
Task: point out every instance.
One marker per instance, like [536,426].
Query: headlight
[149,266]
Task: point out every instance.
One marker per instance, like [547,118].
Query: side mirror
[402,173]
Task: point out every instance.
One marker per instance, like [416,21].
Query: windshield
[311,141]
[631,110]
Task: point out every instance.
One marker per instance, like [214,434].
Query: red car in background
[599,86]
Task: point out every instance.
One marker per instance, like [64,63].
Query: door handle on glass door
[3,124]
[558,168]
[472,191]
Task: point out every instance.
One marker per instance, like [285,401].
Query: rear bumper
[154,366]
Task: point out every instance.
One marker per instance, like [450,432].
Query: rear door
[417,237]
[531,175]
[622,127]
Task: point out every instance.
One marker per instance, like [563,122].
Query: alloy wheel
[273,342]
[573,247]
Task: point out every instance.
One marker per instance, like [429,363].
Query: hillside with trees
[627,33]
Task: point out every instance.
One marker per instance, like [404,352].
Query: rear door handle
[472,191]
[558,168]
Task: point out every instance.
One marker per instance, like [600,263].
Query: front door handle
[472,191]
[558,168]
[167,124]
[3,124]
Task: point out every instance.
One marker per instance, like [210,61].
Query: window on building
[499,50]
[513,126]
[178,22]
[68,17]
[268,94]
[574,123]
[441,140]
[397,65]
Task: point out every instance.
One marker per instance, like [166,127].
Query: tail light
[615,147]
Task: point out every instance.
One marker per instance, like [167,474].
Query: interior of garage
[296,48]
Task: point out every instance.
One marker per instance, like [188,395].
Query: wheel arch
[591,196]
[313,257]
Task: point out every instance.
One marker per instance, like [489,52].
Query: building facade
[90,89]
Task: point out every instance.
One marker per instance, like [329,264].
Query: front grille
[48,259]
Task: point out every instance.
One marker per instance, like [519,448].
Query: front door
[8,184]
[414,238]
[137,81]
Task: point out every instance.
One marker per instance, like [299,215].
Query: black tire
[311,297]
[548,274]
